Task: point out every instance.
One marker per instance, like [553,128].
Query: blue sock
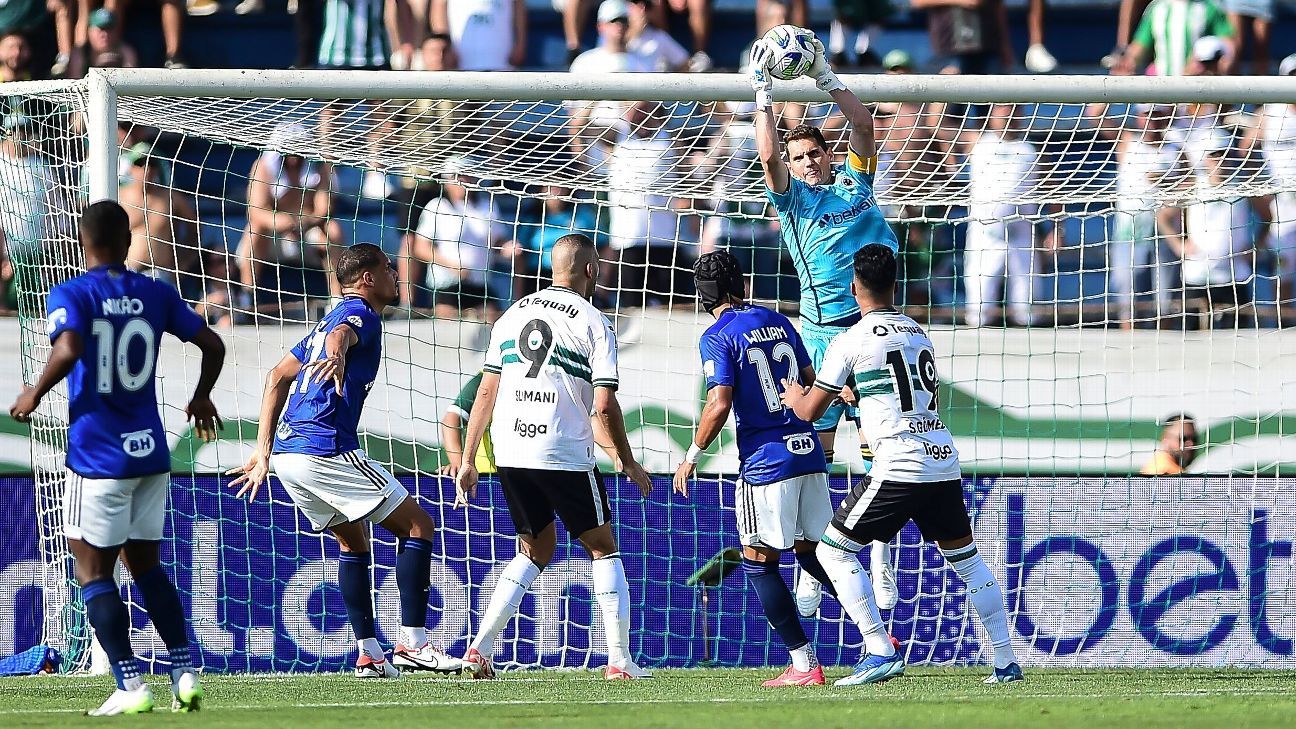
[777,601]
[413,576]
[810,563]
[111,621]
[353,580]
[168,616]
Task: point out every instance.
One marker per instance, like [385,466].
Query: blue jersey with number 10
[753,349]
[317,420]
[114,428]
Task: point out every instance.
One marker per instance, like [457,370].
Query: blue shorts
[817,338]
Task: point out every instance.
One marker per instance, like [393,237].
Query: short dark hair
[875,268]
[1179,418]
[357,259]
[806,131]
[106,226]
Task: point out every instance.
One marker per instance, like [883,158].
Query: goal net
[1090,256]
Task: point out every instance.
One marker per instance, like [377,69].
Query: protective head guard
[717,276]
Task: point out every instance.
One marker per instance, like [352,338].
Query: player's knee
[761,554]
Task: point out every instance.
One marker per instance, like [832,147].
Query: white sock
[855,591]
[804,658]
[414,637]
[613,596]
[370,647]
[987,599]
[509,591]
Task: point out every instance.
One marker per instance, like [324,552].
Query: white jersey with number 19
[550,349]
[894,367]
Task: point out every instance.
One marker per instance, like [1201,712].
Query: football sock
[987,599]
[111,622]
[412,637]
[612,593]
[356,587]
[505,599]
[809,562]
[413,576]
[804,658]
[855,593]
[168,616]
[776,599]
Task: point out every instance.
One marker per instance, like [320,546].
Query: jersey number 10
[113,354]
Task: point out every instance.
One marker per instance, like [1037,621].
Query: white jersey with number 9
[893,365]
[550,349]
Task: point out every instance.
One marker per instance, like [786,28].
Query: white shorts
[108,512]
[777,514]
[333,490]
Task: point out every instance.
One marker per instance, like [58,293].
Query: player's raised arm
[277,384]
[767,134]
[483,411]
[859,117]
[714,415]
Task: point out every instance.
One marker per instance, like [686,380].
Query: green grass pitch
[693,698]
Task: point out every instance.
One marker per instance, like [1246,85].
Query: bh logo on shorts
[139,443]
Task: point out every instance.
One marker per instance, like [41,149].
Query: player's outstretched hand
[207,422]
[847,396]
[792,393]
[682,476]
[465,484]
[25,405]
[447,470]
[250,476]
[760,56]
[637,474]
[329,368]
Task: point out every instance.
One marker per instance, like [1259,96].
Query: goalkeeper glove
[822,73]
[759,76]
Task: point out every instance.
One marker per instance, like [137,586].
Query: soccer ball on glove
[792,50]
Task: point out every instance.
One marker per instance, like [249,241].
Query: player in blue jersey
[782,499]
[826,213]
[106,326]
[314,447]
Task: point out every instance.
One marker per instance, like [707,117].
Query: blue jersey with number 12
[317,420]
[114,428]
[753,349]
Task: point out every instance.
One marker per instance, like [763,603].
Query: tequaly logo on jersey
[138,443]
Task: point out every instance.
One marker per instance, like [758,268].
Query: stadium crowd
[1190,232]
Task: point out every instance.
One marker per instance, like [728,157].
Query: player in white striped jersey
[551,362]
[915,472]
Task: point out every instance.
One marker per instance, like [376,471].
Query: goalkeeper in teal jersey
[826,213]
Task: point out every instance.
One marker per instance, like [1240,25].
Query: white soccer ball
[793,51]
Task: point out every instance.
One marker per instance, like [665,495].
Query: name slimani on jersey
[550,350]
[894,366]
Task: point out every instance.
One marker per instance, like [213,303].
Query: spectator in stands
[1003,172]
[1146,239]
[173,13]
[648,237]
[1219,250]
[1209,57]
[411,271]
[562,213]
[486,35]
[28,18]
[1278,140]
[612,54]
[969,36]
[855,27]
[453,425]
[770,13]
[1038,58]
[1168,31]
[651,42]
[1131,11]
[290,205]
[354,40]
[15,57]
[164,225]
[108,50]
[1250,19]
[575,15]
[1177,448]
[27,190]
[699,22]
[461,234]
